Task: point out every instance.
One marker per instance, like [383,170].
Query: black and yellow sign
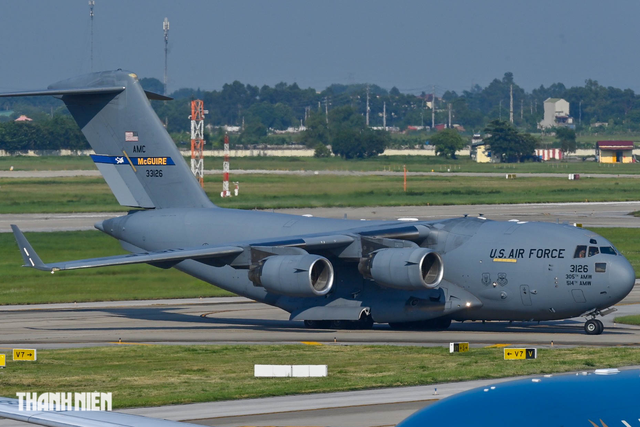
[3,360]
[24,354]
[520,353]
[458,347]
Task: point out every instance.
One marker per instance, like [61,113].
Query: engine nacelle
[404,268]
[294,275]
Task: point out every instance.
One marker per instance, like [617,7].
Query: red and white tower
[197,140]
[225,169]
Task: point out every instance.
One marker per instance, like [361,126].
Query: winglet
[29,255]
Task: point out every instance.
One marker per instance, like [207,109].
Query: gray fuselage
[492,270]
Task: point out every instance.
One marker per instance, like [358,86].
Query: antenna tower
[511,103]
[197,140]
[165,27]
[92,3]
[367,105]
[225,169]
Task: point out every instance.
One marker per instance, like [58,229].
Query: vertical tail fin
[135,154]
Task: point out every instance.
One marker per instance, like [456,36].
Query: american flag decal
[131,136]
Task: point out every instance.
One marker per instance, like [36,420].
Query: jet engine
[294,275]
[404,268]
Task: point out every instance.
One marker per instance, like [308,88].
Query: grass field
[629,320]
[380,163]
[28,286]
[285,191]
[161,375]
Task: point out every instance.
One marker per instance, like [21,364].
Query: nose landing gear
[593,327]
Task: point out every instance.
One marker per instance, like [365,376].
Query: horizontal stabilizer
[32,260]
[30,257]
[156,96]
[62,92]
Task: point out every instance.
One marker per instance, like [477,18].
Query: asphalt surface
[239,320]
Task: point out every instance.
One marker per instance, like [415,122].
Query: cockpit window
[593,250]
[601,267]
[608,250]
[581,252]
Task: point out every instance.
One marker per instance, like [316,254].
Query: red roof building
[614,151]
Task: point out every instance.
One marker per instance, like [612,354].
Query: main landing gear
[366,322]
[437,324]
[594,326]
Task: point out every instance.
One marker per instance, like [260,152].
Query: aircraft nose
[622,277]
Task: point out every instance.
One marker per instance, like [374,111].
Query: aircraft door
[525,294]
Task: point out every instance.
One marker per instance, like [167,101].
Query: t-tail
[135,154]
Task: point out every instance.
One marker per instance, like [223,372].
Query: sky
[411,44]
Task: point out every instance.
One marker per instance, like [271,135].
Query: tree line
[261,110]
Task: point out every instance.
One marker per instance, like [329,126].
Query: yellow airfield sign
[458,347]
[520,353]
[22,354]
[3,360]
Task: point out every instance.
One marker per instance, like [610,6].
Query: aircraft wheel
[402,326]
[316,324]
[593,327]
[340,324]
[600,326]
[442,323]
[365,323]
[437,324]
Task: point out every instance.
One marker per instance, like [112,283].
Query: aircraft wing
[169,257]
[9,409]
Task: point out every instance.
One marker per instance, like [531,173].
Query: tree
[507,144]
[321,151]
[317,131]
[447,142]
[567,138]
[352,143]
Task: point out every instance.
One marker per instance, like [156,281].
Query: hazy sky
[412,44]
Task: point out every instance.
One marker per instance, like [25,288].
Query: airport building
[614,151]
[556,113]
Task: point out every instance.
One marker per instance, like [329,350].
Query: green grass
[281,191]
[56,195]
[47,163]
[161,375]
[285,191]
[28,286]
[629,320]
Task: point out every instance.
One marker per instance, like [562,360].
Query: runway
[597,214]
[239,320]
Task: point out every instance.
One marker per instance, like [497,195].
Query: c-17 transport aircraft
[334,273]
